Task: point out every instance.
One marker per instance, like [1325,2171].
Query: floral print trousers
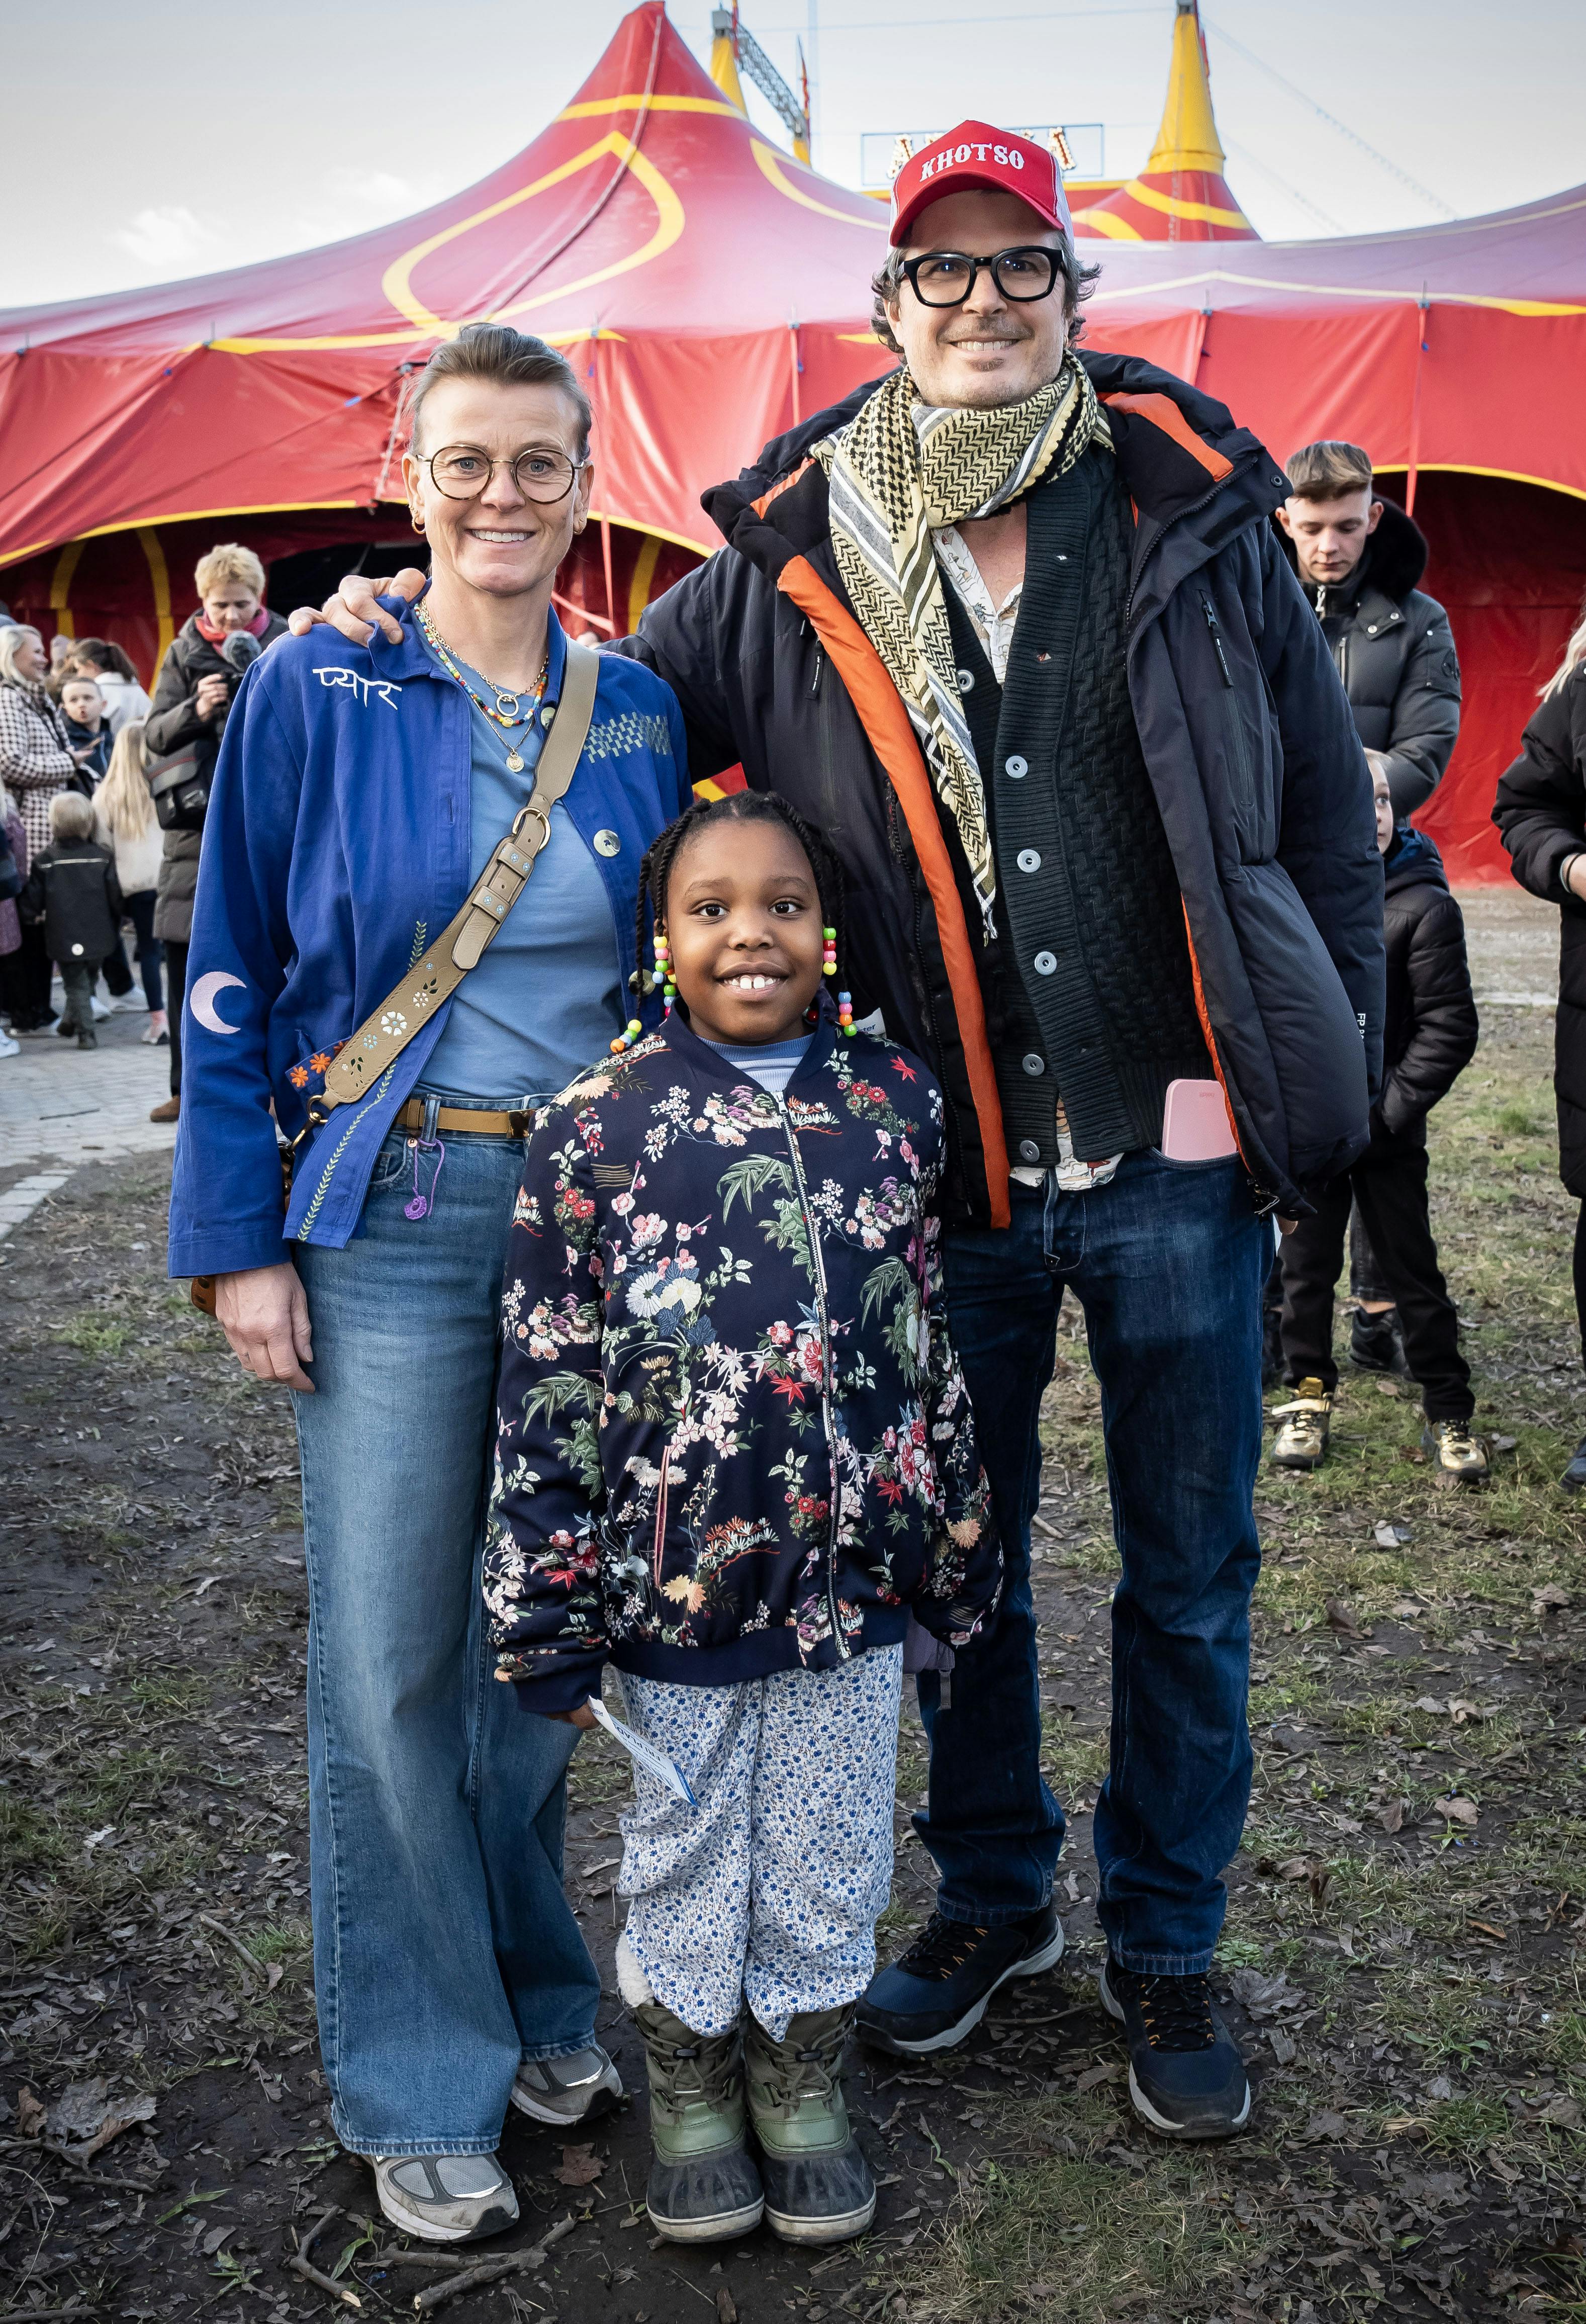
[770,1890]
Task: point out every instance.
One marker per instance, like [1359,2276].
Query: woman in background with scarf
[192,696]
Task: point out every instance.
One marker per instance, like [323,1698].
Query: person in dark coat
[71,889]
[1429,1037]
[193,695]
[1359,560]
[1541,816]
[1011,627]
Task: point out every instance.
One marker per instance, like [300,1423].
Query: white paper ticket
[644,1755]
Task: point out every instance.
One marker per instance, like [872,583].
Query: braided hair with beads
[656,869]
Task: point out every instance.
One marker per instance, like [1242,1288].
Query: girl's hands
[582,1718]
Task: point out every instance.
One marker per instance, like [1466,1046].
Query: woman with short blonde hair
[125,822]
[193,696]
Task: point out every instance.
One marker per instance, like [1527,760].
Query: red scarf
[255,628]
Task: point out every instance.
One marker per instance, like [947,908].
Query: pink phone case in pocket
[1194,1122]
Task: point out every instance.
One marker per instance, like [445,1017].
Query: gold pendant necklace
[499,715]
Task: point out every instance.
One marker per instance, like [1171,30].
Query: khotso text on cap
[976,155]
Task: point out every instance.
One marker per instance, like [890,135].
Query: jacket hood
[1175,448]
[1412,861]
[1395,559]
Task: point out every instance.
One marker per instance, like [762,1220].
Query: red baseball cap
[976,155]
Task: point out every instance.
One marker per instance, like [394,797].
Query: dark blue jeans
[1167,1262]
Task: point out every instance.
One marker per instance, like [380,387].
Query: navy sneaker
[938,1991]
[1185,2075]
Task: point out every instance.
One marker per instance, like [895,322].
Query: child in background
[125,821]
[735,1453]
[71,887]
[87,726]
[1429,1037]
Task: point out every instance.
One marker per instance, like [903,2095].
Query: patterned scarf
[902,469]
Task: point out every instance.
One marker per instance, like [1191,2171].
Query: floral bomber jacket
[733,1436]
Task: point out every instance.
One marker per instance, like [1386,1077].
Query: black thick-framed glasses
[946,277]
[462,471]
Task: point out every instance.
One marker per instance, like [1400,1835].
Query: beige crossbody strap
[463,943]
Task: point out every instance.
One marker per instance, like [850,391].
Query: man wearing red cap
[1011,625]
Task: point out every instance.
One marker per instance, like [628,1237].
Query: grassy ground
[1404,1930]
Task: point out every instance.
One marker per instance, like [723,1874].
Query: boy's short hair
[1327,470]
[229,561]
[71,816]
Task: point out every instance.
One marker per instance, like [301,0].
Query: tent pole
[605,558]
[1423,325]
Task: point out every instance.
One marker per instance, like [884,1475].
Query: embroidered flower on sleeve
[299,1076]
[321,1061]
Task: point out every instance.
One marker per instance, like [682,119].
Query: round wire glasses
[462,471]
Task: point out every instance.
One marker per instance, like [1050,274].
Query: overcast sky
[151,141]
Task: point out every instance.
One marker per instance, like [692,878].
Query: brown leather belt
[452,1119]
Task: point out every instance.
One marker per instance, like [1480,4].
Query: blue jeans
[1167,1262]
[444,1950]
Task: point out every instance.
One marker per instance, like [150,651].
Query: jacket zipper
[1234,723]
[818,1267]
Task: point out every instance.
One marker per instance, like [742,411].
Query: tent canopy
[1181,194]
[711,288]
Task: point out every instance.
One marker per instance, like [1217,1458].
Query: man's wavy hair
[1078,282]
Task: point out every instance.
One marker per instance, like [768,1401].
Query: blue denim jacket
[336,847]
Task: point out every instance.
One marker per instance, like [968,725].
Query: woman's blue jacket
[336,845]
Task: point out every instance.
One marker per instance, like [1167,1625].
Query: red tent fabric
[1454,354]
[710,288]
[713,290]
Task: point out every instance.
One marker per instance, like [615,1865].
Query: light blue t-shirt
[773,1063]
[545,1001]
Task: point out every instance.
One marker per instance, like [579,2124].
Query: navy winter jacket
[733,1434]
[1249,741]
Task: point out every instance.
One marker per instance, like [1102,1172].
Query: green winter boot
[702,2185]
[818,2187]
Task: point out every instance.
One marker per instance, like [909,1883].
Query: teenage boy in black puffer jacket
[1429,1037]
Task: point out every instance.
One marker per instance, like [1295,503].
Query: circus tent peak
[1181,194]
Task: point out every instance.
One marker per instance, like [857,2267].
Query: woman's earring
[415,520]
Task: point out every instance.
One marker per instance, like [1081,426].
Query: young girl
[125,821]
[735,1453]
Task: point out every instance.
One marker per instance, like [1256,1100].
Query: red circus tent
[710,288]
[714,289]
[1454,354]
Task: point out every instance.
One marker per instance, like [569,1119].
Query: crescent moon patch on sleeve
[201,998]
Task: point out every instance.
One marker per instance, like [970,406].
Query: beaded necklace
[501,716]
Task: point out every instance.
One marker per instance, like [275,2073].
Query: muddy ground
[1402,1939]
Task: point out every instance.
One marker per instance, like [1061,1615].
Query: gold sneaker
[1458,1456]
[1304,1422]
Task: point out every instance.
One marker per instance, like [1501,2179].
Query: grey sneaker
[445,2199]
[567,2090]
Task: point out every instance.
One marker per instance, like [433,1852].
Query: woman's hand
[352,610]
[263,1311]
[212,694]
[582,1718]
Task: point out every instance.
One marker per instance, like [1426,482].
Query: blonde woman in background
[10,918]
[36,762]
[193,696]
[1541,816]
[126,823]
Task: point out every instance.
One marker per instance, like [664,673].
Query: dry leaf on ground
[580,2166]
[1463,1812]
